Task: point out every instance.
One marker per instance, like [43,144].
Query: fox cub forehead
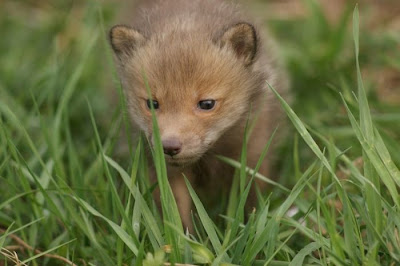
[187,62]
[240,39]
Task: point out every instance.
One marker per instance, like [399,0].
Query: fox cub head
[200,85]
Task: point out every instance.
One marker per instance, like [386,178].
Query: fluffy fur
[192,51]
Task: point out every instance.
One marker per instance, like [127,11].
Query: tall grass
[69,196]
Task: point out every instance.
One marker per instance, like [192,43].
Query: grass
[68,194]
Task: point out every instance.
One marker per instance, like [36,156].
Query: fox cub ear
[242,38]
[125,40]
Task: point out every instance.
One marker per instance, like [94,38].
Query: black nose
[172,146]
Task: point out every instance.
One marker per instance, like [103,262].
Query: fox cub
[207,67]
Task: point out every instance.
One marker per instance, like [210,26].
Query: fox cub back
[207,67]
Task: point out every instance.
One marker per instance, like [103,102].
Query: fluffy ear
[125,40]
[242,38]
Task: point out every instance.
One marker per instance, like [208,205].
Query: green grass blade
[305,134]
[252,172]
[365,115]
[115,196]
[5,234]
[243,161]
[373,199]
[240,210]
[303,253]
[168,203]
[201,254]
[150,221]
[374,159]
[46,252]
[127,239]
[270,232]
[386,158]
[72,82]
[206,221]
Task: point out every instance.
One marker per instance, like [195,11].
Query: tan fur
[192,51]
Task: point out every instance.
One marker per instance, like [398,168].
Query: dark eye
[156,105]
[206,104]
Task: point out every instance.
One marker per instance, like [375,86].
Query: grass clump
[67,196]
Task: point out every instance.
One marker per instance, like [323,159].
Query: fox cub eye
[156,105]
[206,104]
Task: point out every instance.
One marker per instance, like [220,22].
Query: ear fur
[242,38]
[125,40]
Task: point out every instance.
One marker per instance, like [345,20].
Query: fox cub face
[200,85]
